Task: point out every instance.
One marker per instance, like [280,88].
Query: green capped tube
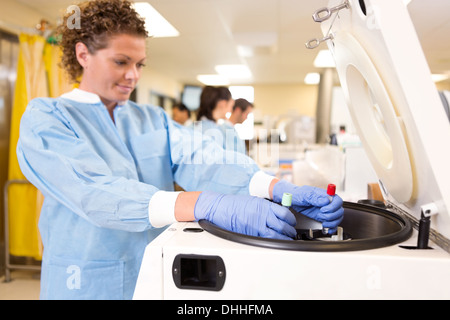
[286,201]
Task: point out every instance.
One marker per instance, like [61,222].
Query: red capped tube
[331,190]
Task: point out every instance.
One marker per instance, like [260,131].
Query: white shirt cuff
[259,185]
[161,208]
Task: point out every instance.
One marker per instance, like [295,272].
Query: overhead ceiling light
[312,78]
[226,74]
[213,80]
[234,71]
[245,51]
[324,59]
[157,26]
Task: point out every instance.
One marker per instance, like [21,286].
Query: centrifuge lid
[394,103]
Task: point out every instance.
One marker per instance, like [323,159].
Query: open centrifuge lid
[393,102]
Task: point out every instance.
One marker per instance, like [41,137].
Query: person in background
[215,103]
[181,114]
[107,166]
[241,109]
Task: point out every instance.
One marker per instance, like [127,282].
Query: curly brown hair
[99,20]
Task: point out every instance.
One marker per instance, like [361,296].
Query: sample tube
[286,201]
[331,191]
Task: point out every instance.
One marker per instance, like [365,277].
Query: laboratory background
[300,128]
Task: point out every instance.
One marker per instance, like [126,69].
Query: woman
[215,103]
[106,167]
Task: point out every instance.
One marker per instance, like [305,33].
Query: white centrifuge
[397,251]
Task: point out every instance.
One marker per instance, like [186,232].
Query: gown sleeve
[199,163]
[64,167]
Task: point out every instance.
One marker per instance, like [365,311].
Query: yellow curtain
[58,80]
[37,76]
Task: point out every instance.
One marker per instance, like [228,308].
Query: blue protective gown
[98,177]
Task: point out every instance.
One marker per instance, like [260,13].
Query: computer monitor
[191,97]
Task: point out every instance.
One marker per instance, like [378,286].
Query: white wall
[286,99]
[154,81]
[14,14]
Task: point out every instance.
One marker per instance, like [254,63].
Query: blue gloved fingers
[272,234]
[332,230]
[304,196]
[282,221]
[283,213]
[334,205]
[279,226]
[330,216]
[335,220]
[310,196]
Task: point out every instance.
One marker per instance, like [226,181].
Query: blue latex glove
[246,215]
[312,202]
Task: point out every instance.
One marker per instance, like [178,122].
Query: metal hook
[324,14]
[314,43]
